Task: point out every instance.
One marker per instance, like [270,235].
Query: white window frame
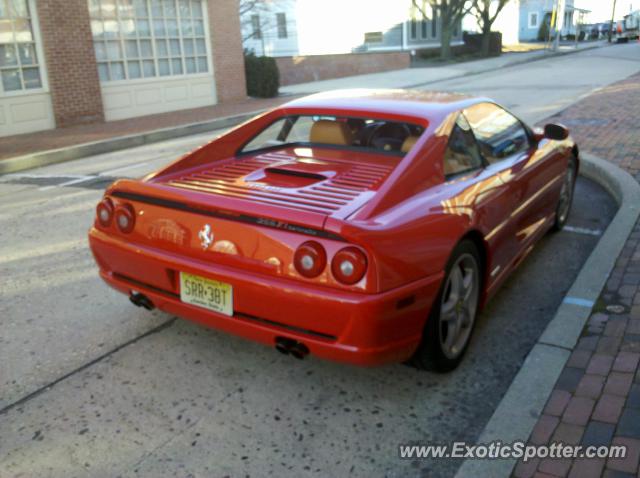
[256,27]
[424,22]
[422,25]
[413,23]
[37,38]
[532,15]
[160,79]
[286,27]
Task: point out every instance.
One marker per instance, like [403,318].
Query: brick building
[65,62]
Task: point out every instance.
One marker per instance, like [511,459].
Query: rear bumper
[362,329]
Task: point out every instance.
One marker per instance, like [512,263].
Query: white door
[25,102]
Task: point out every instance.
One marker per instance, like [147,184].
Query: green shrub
[263,78]
[543,31]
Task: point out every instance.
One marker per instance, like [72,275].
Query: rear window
[345,132]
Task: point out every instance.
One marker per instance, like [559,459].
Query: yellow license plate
[206,293]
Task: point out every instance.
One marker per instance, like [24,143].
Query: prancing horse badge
[206,236]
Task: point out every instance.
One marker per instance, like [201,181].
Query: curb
[546,56]
[53,156]
[522,404]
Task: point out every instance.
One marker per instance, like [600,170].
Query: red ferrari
[360,226]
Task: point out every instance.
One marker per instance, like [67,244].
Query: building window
[423,28]
[255,25]
[148,38]
[424,24]
[19,67]
[281,19]
[423,21]
[533,19]
[413,24]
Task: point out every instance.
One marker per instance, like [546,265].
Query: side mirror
[557,132]
[538,134]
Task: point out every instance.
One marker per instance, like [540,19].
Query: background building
[269,28]
[507,22]
[307,27]
[534,12]
[81,61]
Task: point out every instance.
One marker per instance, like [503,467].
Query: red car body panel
[399,211]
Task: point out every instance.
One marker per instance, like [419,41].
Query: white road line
[123,168]
[583,230]
[12,177]
[80,179]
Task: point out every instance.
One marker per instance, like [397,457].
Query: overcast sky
[602,8]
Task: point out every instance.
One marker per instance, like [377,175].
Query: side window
[271,136]
[499,133]
[462,152]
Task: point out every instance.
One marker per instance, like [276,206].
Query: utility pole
[613,17]
[559,23]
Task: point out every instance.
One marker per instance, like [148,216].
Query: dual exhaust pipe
[288,346]
[283,345]
[141,300]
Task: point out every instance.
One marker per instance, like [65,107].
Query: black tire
[563,209]
[432,354]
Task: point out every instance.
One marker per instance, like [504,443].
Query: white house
[534,12]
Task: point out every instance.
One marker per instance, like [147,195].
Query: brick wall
[226,47]
[301,69]
[70,60]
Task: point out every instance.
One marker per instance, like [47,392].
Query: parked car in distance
[588,31]
[363,226]
[603,28]
[628,28]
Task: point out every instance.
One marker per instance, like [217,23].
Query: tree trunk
[486,41]
[445,40]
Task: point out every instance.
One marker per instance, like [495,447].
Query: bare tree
[247,10]
[486,12]
[450,13]
[258,18]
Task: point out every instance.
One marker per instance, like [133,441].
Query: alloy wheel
[459,305]
[566,195]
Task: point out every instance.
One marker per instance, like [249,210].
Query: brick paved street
[596,400]
[606,124]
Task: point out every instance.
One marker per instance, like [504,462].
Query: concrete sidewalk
[27,151]
[596,400]
[23,144]
[414,77]
[591,349]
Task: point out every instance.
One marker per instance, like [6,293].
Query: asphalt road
[92,386]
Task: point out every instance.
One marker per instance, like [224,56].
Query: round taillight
[125,217]
[104,212]
[349,265]
[310,259]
